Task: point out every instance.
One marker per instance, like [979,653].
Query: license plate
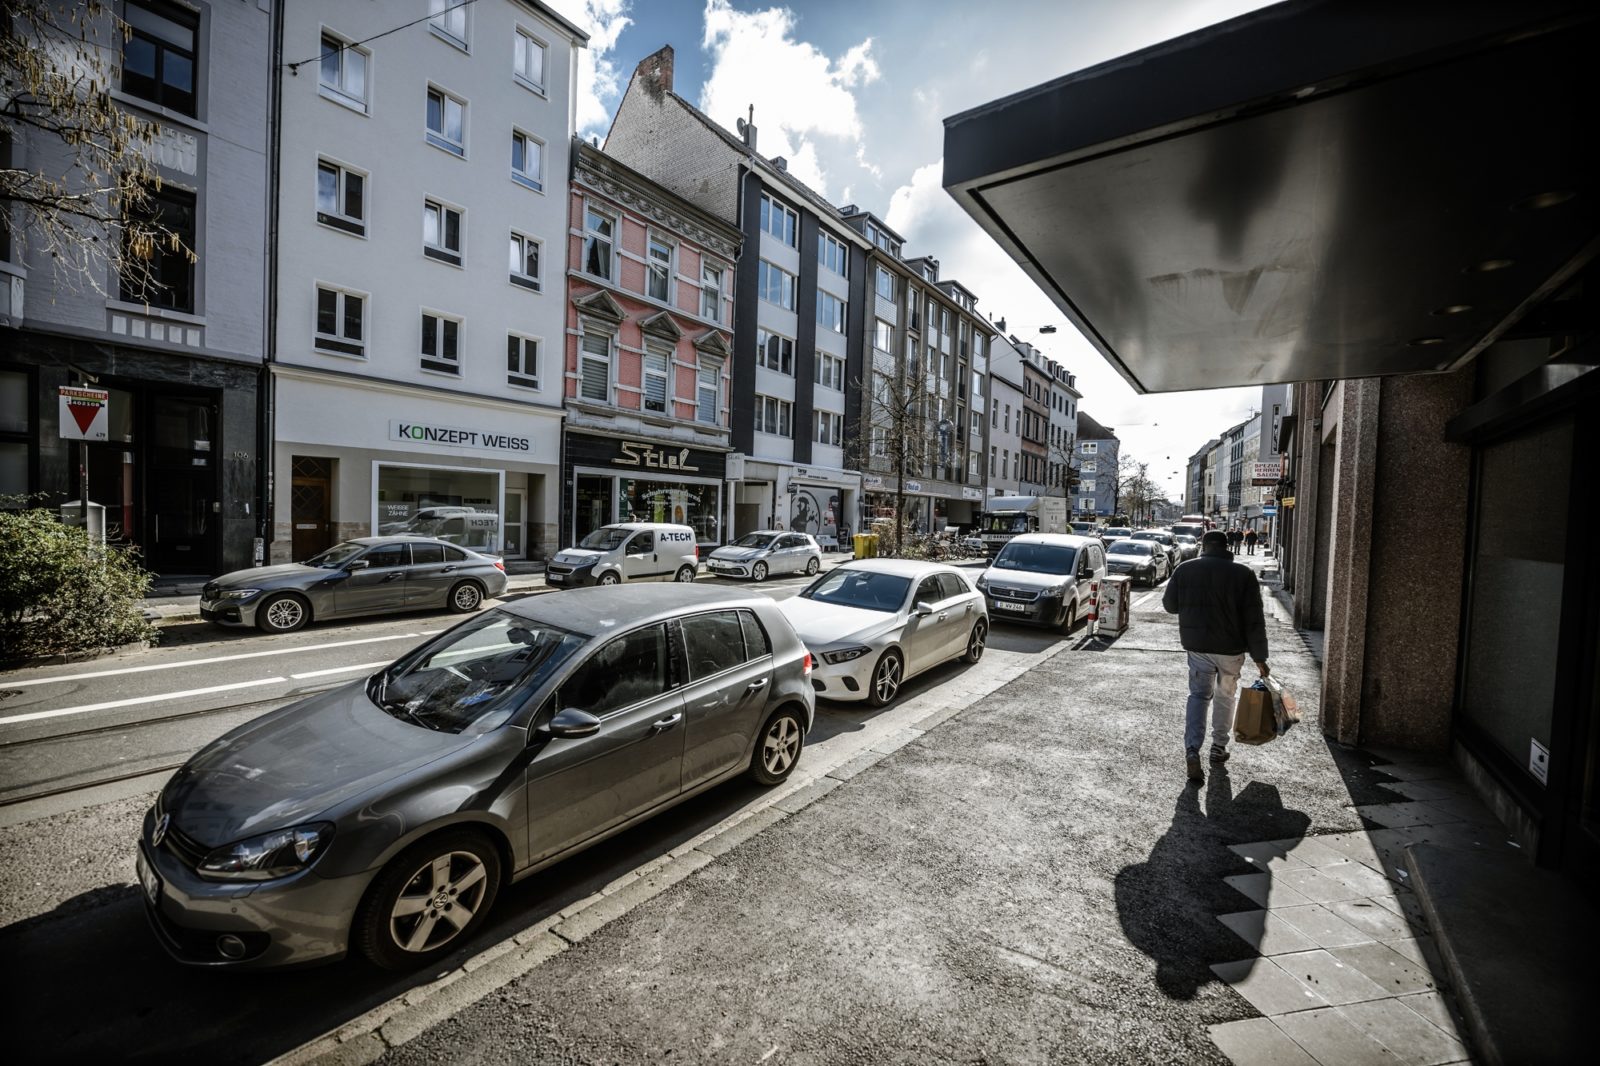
[149,880]
[554,579]
[1004,606]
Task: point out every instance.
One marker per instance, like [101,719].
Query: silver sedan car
[367,575]
[385,815]
[767,552]
[873,623]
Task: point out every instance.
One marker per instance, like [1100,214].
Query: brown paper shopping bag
[1254,720]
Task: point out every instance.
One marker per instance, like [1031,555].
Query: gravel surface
[1033,882]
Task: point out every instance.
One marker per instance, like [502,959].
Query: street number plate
[1004,606]
[149,880]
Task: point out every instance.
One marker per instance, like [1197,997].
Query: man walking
[1234,537]
[1250,541]
[1219,619]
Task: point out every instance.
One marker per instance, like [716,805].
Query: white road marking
[135,701]
[341,669]
[214,659]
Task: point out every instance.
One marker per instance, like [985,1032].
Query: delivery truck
[1007,516]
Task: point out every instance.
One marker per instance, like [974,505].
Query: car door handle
[756,686]
[447,569]
[390,577]
[663,724]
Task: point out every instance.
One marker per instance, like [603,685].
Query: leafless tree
[1136,494]
[897,436]
[90,210]
[1062,462]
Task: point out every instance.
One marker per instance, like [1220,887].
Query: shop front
[624,479]
[475,472]
[820,502]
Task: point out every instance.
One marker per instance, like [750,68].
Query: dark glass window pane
[436,112]
[715,642]
[330,62]
[139,65]
[354,193]
[452,231]
[514,355]
[177,73]
[755,638]
[430,335]
[352,317]
[627,670]
[327,188]
[450,339]
[388,555]
[427,554]
[327,312]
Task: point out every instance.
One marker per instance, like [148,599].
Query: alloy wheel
[886,678]
[466,597]
[285,613]
[976,642]
[438,901]
[781,746]
[812,566]
[759,572]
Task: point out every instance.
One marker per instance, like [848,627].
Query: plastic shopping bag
[1253,721]
[1285,711]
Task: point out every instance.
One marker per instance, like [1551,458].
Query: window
[1086,503]
[1089,467]
[657,366]
[1008,418]
[827,427]
[594,368]
[658,274]
[779,220]
[714,642]
[711,293]
[342,73]
[772,415]
[341,321]
[426,554]
[522,361]
[341,198]
[527,63]
[525,262]
[829,371]
[598,232]
[629,670]
[885,284]
[1087,485]
[1090,447]
[708,390]
[448,19]
[775,352]
[446,122]
[441,344]
[527,161]
[831,311]
[993,455]
[776,285]
[756,644]
[882,336]
[441,232]
[158,55]
[834,255]
[162,276]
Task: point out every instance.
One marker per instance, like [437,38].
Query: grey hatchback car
[385,815]
[367,575]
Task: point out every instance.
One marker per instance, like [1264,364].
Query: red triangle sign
[83,414]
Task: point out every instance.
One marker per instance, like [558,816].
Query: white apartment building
[420,277]
[1061,459]
[1005,417]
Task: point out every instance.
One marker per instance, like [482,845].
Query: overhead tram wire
[294,68]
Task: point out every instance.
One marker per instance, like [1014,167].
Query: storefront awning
[1315,190]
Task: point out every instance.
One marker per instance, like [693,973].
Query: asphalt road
[98,986]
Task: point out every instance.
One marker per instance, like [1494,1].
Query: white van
[1047,579]
[627,551]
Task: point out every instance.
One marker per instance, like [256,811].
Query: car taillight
[806,669]
[500,566]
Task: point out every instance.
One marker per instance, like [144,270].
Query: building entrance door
[181,490]
[512,546]
[310,497]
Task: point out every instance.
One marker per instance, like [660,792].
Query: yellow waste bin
[872,545]
[861,545]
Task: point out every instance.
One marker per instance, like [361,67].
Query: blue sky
[854,95]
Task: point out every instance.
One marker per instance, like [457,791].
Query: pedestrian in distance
[1234,539]
[1250,539]
[1218,605]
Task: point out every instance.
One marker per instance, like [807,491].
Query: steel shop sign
[1267,472]
[457,437]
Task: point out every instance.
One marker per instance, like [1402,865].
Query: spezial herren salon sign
[636,454]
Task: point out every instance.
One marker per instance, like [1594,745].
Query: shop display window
[696,506]
[459,506]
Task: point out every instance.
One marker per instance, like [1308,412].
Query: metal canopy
[1316,190]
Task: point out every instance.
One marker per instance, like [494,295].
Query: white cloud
[799,93]
[1163,430]
[599,81]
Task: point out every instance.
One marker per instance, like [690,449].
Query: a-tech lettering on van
[627,551]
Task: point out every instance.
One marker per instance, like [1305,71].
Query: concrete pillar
[1349,555]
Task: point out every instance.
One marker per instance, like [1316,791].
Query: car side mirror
[573,724]
[923,609]
[357,564]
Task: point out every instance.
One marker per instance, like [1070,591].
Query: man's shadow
[1168,904]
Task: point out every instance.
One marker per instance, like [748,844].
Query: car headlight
[268,856]
[844,655]
[982,583]
[1056,591]
[239,594]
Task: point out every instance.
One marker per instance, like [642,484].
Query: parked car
[367,575]
[1188,547]
[385,816]
[627,551]
[1044,578]
[1143,560]
[1189,529]
[872,624]
[1114,533]
[1083,529]
[765,553]
[1163,538]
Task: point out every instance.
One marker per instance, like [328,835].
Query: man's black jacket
[1218,606]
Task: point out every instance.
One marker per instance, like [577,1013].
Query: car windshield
[1005,522]
[604,539]
[475,675]
[1037,558]
[1151,536]
[755,540]
[1130,547]
[866,589]
[1184,538]
[1116,532]
[337,555]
